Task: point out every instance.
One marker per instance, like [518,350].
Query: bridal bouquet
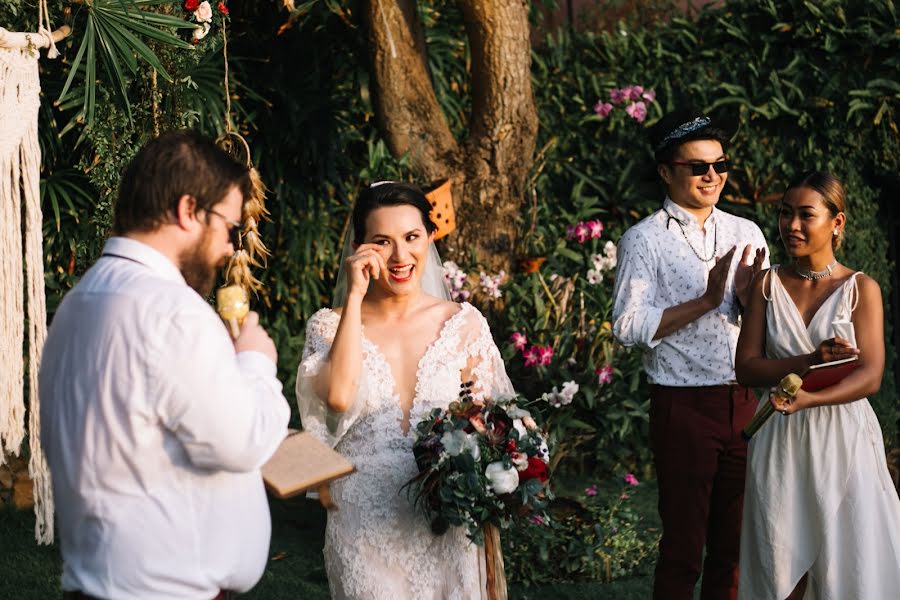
[479,463]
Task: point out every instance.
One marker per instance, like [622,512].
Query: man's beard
[196,269]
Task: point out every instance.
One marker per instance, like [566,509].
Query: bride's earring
[835,232]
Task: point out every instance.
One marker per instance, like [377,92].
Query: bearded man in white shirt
[155,422]
[683,275]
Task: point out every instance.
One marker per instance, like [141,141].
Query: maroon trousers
[700,459]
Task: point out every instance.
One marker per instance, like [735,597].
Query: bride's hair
[389,193]
[832,191]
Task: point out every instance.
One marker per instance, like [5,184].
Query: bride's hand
[363,265]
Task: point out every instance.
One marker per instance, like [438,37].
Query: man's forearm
[676,317]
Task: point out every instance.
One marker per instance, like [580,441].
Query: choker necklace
[814,275]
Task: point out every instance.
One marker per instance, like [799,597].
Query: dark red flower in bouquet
[222,8]
[511,446]
[477,423]
[536,469]
[191,5]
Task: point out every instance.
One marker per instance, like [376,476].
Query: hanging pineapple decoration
[233,299]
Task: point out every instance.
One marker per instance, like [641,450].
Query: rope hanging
[20,172]
[252,251]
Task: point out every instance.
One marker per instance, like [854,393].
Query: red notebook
[827,374]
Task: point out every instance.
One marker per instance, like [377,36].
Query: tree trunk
[490,168]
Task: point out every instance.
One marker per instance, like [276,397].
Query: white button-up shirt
[154,431]
[658,269]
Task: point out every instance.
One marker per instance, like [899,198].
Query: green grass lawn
[295,570]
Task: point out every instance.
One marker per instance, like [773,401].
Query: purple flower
[602,109]
[591,490]
[617,96]
[634,92]
[637,111]
[649,95]
[519,340]
[596,228]
[604,375]
[630,479]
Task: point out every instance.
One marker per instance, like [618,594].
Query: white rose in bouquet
[503,480]
[201,31]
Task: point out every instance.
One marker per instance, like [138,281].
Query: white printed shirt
[154,431]
[657,269]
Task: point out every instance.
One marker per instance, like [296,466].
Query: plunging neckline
[798,314]
[395,392]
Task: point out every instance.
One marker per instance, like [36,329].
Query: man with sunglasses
[679,292]
[155,422]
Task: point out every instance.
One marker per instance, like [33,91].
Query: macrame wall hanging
[21,242]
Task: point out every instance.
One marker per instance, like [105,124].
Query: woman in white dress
[821,516]
[395,349]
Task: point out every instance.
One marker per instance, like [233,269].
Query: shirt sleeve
[323,423]
[226,408]
[635,317]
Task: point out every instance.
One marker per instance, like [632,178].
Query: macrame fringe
[20,165]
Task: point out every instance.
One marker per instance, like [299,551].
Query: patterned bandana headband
[682,130]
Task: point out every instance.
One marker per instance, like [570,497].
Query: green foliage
[597,537]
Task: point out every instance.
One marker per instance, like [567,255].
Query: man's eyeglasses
[698,169]
[234,228]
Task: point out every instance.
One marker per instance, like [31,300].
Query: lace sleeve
[485,366]
[316,418]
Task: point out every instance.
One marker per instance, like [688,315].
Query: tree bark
[490,167]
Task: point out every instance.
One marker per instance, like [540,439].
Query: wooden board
[302,463]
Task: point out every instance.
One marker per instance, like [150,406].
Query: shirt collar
[140,252]
[688,217]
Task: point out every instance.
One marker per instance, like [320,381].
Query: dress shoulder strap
[767,282]
[851,293]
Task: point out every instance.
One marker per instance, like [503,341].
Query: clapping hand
[746,272]
[718,276]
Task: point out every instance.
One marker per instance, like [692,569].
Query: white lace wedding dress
[819,497]
[378,546]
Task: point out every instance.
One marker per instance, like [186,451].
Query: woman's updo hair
[832,191]
[388,193]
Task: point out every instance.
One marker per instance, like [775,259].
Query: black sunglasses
[234,228]
[698,169]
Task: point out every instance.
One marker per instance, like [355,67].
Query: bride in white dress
[821,516]
[371,369]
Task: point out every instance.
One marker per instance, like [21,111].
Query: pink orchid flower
[637,111]
[602,109]
[596,228]
[617,96]
[604,374]
[545,353]
[519,340]
[649,95]
[635,92]
[630,479]
[531,356]
[591,490]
